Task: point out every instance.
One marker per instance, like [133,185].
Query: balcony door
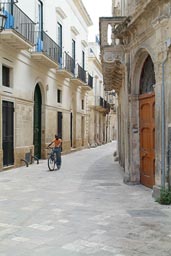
[59,42]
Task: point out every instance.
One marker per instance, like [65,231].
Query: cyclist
[57,149]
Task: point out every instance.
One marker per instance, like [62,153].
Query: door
[147,140]
[82,129]
[71,128]
[8,133]
[59,124]
[37,121]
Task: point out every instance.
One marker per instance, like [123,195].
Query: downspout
[163,172]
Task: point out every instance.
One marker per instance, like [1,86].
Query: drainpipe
[163,172]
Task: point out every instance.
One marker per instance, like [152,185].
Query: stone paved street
[82,209]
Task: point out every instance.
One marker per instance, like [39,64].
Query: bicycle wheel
[51,164]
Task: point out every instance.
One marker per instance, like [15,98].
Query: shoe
[58,167]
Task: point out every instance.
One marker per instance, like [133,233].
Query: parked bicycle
[53,160]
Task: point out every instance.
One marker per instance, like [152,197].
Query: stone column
[132,176]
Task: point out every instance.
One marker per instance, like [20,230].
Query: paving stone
[83,209]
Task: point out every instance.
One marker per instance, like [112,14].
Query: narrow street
[82,209]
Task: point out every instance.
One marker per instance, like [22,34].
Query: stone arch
[140,59]
[147,78]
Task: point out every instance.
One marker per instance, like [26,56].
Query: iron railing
[81,73]
[90,80]
[46,45]
[19,21]
[101,101]
[69,63]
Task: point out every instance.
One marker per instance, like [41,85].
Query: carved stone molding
[111,57]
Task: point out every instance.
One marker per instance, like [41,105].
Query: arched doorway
[37,121]
[147,124]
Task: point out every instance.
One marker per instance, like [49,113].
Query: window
[83,59]
[40,15]
[5,76]
[73,49]
[59,96]
[82,104]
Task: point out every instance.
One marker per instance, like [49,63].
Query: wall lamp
[3,17]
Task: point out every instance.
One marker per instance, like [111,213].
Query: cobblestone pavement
[82,209]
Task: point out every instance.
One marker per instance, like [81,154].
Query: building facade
[102,117]
[44,81]
[136,64]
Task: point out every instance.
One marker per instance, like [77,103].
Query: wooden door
[147,140]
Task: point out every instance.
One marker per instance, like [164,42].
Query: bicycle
[52,160]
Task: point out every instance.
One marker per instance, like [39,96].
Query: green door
[37,121]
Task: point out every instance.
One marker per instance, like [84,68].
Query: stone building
[102,117]
[43,78]
[136,64]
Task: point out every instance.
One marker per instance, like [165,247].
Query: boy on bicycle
[57,149]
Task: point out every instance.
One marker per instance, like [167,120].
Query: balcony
[67,69]
[80,78]
[89,85]
[19,28]
[46,51]
[101,105]
[112,53]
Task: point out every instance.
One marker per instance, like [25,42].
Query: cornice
[96,62]
[81,8]
[142,24]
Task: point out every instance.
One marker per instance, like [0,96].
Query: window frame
[59,96]
[73,49]
[8,82]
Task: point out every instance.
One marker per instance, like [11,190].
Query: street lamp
[3,18]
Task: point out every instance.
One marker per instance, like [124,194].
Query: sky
[96,9]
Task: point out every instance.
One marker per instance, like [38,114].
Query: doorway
[8,132]
[82,130]
[71,119]
[37,121]
[59,124]
[147,124]
[147,140]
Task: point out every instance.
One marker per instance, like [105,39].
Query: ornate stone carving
[112,57]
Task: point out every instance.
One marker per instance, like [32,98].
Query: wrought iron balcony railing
[69,63]
[90,81]
[47,46]
[81,74]
[19,21]
[101,102]
[105,104]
